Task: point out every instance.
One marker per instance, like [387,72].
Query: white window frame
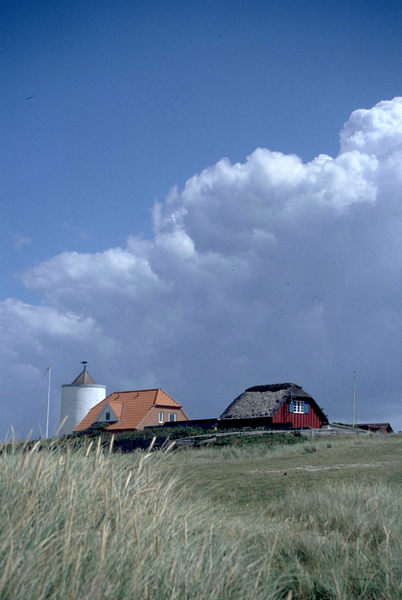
[172,420]
[160,418]
[298,406]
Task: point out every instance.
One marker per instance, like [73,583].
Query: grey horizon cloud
[258,272]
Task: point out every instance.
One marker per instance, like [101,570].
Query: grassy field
[228,475]
[317,519]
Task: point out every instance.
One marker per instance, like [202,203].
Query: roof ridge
[132,391]
[168,395]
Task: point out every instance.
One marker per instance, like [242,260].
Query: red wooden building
[278,404]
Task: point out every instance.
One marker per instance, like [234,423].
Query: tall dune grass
[93,525]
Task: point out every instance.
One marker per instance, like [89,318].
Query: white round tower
[77,399]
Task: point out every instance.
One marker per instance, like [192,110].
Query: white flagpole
[354,399]
[49,369]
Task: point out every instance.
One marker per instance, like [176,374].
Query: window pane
[299,406]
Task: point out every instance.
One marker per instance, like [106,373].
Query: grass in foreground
[199,524]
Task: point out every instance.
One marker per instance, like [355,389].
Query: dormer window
[107,416]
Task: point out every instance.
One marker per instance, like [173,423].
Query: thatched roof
[266,400]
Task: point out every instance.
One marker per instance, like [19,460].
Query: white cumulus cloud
[264,271]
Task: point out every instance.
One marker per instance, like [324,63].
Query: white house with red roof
[134,410]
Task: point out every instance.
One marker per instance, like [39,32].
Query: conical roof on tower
[84,377]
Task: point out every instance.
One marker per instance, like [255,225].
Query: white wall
[76,401]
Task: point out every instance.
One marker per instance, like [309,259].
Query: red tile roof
[130,407]
[117,407]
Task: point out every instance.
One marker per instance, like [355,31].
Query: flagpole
[48,401]
[354,399]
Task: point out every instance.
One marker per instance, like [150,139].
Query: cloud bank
[258,272]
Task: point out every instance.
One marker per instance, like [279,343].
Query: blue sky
[106,106]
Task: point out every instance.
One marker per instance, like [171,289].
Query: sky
[201,196]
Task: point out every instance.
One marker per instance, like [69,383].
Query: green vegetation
[268,440]
[144,434]
[319,519]
[131,440]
